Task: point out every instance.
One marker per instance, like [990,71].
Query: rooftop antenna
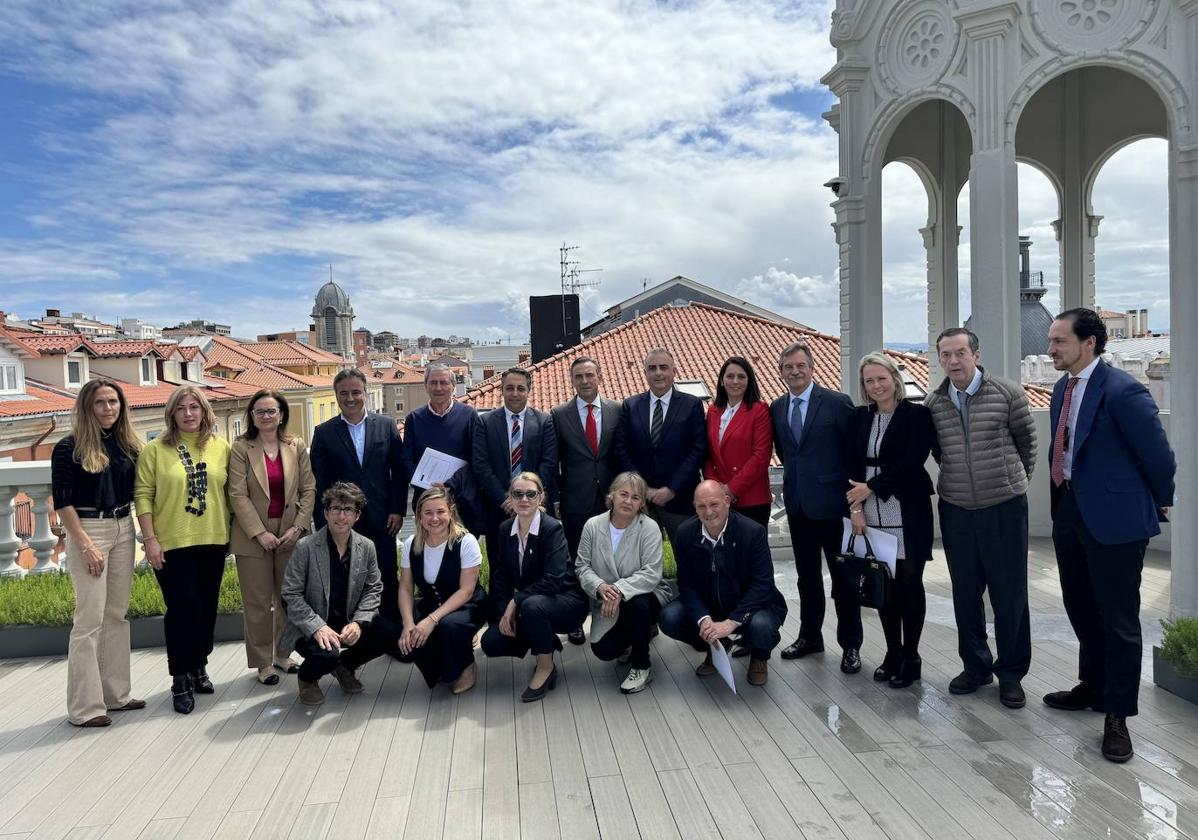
[571,279]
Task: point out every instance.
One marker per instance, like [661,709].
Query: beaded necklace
[197,482]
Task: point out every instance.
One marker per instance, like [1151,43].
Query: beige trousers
[261,580]
[98,656]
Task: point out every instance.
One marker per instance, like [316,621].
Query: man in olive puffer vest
[986,450]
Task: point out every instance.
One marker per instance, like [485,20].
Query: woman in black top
[891,491]
[92,472]
[441,563]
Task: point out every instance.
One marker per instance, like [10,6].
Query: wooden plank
[761,802]
[387,817]
[464,812]
[538,812]
[161,829]
[572,794]
[469,735]
[501,788]
[691,815]
[613,809]
[426,812]
[399,769]
[330,779]
[313,821]
[598,756]
[844,807]
[944,791]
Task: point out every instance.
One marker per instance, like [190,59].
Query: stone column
[1076,245]
[941,239]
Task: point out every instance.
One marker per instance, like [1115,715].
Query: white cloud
[786,290]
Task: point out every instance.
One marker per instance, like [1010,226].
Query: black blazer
[546,569]
[491,460]
[905,448]
[677,460]
[815,470]
[741,586]
[381,477]
[583,476]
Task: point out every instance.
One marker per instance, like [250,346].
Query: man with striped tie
[508,441]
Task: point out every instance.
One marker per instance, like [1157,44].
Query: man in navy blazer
[1112,471]
[663,436]
[364,449]
[812,430]
[508,440]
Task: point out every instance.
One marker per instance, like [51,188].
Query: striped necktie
[517,444]
[659,418]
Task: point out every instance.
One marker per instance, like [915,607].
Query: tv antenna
[572,272]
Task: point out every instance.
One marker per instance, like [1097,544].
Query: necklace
[197,483]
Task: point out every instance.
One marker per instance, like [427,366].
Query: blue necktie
[796,419]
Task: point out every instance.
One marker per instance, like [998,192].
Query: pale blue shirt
[357,434]
[959,395]
[801,402]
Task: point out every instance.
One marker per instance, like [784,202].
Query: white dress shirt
[534,528]
[357,434]
[665,404]
[1075,405]
[726,418]
[598,415]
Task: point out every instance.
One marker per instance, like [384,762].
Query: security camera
[836,185]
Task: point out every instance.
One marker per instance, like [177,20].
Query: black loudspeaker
[554,322]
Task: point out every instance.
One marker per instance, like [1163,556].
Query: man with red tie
[586,427]
[1112,471]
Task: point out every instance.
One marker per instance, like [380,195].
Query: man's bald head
[712,502]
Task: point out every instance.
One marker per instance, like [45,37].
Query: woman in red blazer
[740,440]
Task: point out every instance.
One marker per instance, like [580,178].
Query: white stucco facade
[963,89]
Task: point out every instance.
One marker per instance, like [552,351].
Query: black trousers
[633,629]
[538,622]
[668,520]
[378,637]
[449,649]
[758,513]
[987,549]
[760,632]
[573,527]
[902,617]
[190,583]
[808,538]
[1100,585]
[384,548]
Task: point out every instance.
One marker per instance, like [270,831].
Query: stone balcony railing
[31,478]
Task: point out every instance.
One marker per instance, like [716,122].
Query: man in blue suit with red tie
[1112,474]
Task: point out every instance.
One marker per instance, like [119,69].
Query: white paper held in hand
[723,664]
[435,468]
[885,546]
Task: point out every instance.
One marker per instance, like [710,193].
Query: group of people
[572,504]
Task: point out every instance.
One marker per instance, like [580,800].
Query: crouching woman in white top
[440,599]
[619,566]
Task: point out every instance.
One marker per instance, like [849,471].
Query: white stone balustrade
[33,479]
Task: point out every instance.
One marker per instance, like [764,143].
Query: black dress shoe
[183,694]
[908,672]
[1010,692]
[1116,740]
[577,636]
[967,683]
[1074,700]
[800,648]
[201,682]
[532,695]
[850,662]
[888,668]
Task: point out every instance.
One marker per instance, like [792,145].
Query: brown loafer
[98,720]
[310,693]
[465,680]
[348,680]
[759,671]
[131,706]
[706,668]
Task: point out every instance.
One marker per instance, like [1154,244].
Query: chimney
[53,313]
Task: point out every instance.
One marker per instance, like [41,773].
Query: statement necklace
[197,483]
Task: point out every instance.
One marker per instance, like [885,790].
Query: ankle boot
[201,682]
[889,667]
[182,694]
[908,672]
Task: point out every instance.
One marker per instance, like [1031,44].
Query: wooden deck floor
[814,754]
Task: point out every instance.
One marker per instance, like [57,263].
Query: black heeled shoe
[532,695]
[202,682]
[183,694]
[889,667]
[908,672]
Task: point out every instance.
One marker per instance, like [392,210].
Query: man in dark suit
[586,455]
[364,449]
[507,441]
[1112,472]
[725,583]
[812,427]
[663,436]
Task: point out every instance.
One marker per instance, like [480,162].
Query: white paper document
[885,545]
[723,664]
[435,468]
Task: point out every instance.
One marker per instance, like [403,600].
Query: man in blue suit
[811,435]
[507,441]
[364,449]
[662,435]
[1112,481]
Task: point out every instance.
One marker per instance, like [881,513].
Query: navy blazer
[1123,467]
[677,460]
[546,568]
[492,462]
[381,477]
[736,588]
[815,473]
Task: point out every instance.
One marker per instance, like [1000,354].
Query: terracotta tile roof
[37,400]
[188,352]
[18,342]
[1107,313]
[252,369]
[291,353]
[394,373]
[55,345]
[701,337]
[125,349]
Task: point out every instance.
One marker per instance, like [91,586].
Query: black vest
[429,596]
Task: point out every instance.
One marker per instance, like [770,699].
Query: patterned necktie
[517,445]
[796,420]
[1062,432]
[659,417]
[592,430]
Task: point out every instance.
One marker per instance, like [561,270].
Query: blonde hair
[882,360]
[89,450]
[639,485]
[207,425]
[456,529]
[534,479]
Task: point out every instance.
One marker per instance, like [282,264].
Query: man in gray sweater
[986,450]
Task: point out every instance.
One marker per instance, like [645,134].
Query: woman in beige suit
[272,491]
[619,566]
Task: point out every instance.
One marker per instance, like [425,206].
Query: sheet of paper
[435,468]
[884,545]
[723,664]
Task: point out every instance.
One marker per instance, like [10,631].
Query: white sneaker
[637,680]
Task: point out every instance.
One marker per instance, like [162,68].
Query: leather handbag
[861,580]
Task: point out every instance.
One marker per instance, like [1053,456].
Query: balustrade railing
[27,522]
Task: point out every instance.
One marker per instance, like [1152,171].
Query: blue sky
[171,161]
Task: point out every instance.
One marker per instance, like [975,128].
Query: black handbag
[861,580]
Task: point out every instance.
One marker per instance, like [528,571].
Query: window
[8,379]
[330,327]
[399,405]
[323,408]
[74,372]
[237,427]
[151,435]
[147,371]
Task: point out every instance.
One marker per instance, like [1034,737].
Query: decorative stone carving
[1090,25]
[916,45]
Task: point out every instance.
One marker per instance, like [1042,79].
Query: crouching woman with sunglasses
[534,592]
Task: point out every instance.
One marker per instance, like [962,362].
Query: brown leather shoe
[465,680]
[347,680]
[98,720]
[759,671]
[310,693]
[706,669]
[131,706]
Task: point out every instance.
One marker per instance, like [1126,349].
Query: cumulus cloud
[787,290]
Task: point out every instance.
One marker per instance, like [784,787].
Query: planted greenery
[1179,646]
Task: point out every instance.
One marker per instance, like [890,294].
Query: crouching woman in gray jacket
[619,566]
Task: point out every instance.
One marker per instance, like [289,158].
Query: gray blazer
[635,569]
[306,585]
[583,476]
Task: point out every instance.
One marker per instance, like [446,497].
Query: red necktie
[592,430]
[1058,439]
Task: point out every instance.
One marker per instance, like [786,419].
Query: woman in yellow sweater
[184,518]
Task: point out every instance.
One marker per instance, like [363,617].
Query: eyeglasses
[524,494]
[265,412]
[345,510]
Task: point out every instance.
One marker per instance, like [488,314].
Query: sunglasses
[524,494]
